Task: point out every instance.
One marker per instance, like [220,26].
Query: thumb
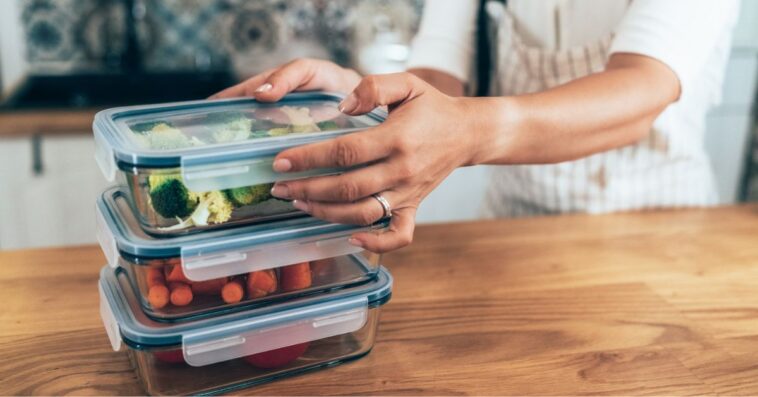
[382,90]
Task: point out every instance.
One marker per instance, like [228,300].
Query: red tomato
[278,357]
[170,356]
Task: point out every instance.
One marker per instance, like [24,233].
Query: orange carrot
[232,292]
[181,294]
[261,283]
[210,287]
[174,273]
[158,296]
[295,277]
[154,276]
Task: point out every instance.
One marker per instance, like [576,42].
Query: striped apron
[647,174]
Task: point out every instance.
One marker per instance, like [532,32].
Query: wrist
[493,123]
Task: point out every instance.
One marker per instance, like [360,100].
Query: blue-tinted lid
[224,252]
[220,338]
[220,144]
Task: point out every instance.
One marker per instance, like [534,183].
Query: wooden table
[646,303]
[27,123]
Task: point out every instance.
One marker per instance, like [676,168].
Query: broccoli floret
[300,119]
[304,128]
[219,206]
[249,195]
[147,126]
[160,135]
[165,137]
[229,126]
[279,131]
[169,197]
[328,125]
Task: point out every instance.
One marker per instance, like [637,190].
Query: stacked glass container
[212,283]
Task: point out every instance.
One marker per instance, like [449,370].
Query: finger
[296,75]
[245,88]
[341,152]
[344,188]
[382,90]
[399,234]
[362,212]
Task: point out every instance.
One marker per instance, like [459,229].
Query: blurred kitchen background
[61,60]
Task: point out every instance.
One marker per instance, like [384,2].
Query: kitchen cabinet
[56,206]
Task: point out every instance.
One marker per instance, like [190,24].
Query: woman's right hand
[299,75]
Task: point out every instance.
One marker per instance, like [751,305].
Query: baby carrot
[158,296]
[181,294]
[174,273]
[232,292]
[295,277]
[261,283]
[210,287]
[154,276]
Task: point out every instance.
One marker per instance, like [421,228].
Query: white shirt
[692,37]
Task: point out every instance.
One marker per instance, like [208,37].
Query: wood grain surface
[26,123]
[655,303]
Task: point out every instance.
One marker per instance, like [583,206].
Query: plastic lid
[220,144]
[216,339]
[225,252]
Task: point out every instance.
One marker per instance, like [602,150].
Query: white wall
[12,50]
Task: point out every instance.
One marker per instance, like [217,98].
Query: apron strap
[483,55]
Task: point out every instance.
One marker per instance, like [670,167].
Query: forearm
[442,81]
[596,113]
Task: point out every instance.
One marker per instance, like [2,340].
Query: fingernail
[301,205]
[264,88]
[355,242]
[348,104]
[281,191]
[282,165]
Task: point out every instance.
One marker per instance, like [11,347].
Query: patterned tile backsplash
[247,36]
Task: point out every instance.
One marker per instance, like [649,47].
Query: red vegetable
[278,357]
[295,277]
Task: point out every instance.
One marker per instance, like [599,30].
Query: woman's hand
[425,137]
[299,75]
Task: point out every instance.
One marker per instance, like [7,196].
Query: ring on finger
[386,208]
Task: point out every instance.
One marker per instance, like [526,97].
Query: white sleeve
[681,34]
[445,40]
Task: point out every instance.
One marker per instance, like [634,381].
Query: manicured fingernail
[282,165]
[348,104]
[281,191]
[355,242]
[264,88]
[301,205]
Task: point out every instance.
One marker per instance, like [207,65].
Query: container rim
[139,331]
[130,239]
[126,156]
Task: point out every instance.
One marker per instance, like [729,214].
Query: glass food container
[192,166]
[176,278]
[224,353]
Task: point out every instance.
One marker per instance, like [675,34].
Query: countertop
[26,123]
[662,303]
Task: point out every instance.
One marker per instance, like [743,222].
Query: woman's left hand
[425,137]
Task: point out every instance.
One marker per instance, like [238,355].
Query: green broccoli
[219,206]
[160,135]
[147,126]
[229,126]
[169,197]
[328,125]
[249,195]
